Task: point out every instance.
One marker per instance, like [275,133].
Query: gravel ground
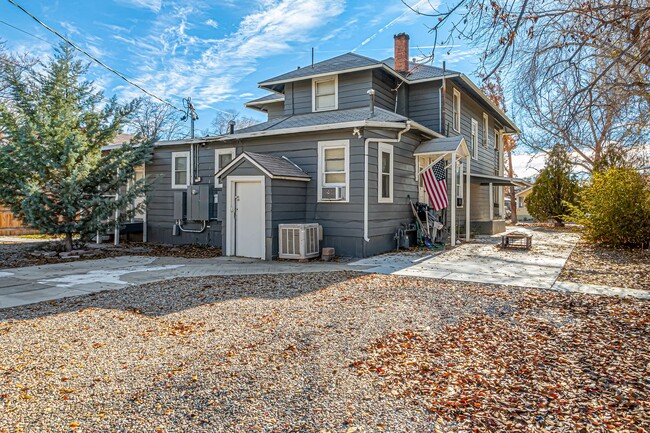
[14,255]
[593,264]
[324,353]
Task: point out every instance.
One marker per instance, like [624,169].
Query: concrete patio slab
[20,286]
[592,289]
[482,262]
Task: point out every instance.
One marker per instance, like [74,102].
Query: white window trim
[474,133]
[381,149]
[456,114]
[460,185]
[189,169]
[322,145]
[314,81]
[486,135]
[225,151]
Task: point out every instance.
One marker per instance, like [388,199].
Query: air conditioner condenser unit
[299,241]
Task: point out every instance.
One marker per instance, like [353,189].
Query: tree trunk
[511,173]
[67,243]
[513,205]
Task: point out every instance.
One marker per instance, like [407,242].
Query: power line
[26,32]
[93,58]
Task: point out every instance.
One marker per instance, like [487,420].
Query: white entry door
[249,218]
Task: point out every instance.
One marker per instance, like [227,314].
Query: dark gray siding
[424,104]
[487,161]
[353,90]
[289,203]
[275,109]
[384,94]
[297,97]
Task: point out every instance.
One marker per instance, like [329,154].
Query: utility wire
[26,32]
[93,58]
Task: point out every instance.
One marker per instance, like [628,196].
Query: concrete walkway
[482,262]
[21,286]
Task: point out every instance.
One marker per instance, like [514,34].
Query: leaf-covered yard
[334,352]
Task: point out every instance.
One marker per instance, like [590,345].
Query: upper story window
[385,176]
[474,139]
[333,170]
[325,93]
[485,130]
[456,111]
[180,169]
[222,158]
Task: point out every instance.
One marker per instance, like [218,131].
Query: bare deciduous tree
[156,121]
[219,124]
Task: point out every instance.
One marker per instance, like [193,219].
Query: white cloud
[407,16]
[212,23]
[154,5]
[527,165]
[210,69]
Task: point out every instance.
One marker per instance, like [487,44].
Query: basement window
[325,93]
[180,170]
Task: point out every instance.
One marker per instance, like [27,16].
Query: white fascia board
[251,104]
[342,125]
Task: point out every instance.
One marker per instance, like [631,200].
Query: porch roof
[486,179]
[272,166]
[442,146]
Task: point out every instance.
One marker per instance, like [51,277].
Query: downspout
[365,173]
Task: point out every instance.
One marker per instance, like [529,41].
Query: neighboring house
[344,146]
[522,211]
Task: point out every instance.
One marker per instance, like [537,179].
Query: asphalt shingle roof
[277,166]
[338,63]
[269,97]
[445,144]
[419,71]
[324,118]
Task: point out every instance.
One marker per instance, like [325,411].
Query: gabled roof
[442,146]
[335,64]
[272,166]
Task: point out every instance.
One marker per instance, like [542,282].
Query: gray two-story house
[344,145]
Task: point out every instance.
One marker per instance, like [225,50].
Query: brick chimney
[401,52]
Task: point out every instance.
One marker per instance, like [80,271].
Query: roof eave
[271,83]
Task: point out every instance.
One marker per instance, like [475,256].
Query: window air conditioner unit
[333,193]
[299,241]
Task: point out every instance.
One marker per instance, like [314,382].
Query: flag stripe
[435,184]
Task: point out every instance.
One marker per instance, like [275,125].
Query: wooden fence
[10,226]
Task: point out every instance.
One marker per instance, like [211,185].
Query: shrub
[615,208]
[554,188]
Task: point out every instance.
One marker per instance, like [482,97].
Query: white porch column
[491,201]
[467,197]
[453,198]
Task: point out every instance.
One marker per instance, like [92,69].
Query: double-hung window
[222,158]
[485,130]
[333,170]
[325,93]
[385,174]
[456,111]
[181,169]
[474,139]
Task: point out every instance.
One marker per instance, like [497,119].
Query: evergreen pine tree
[554,188]
[53,172]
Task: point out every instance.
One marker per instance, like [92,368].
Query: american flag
[435,183]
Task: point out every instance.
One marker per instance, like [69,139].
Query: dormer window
[325,93]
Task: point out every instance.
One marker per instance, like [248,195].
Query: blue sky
[217,51]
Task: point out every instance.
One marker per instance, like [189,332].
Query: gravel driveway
[281,353]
